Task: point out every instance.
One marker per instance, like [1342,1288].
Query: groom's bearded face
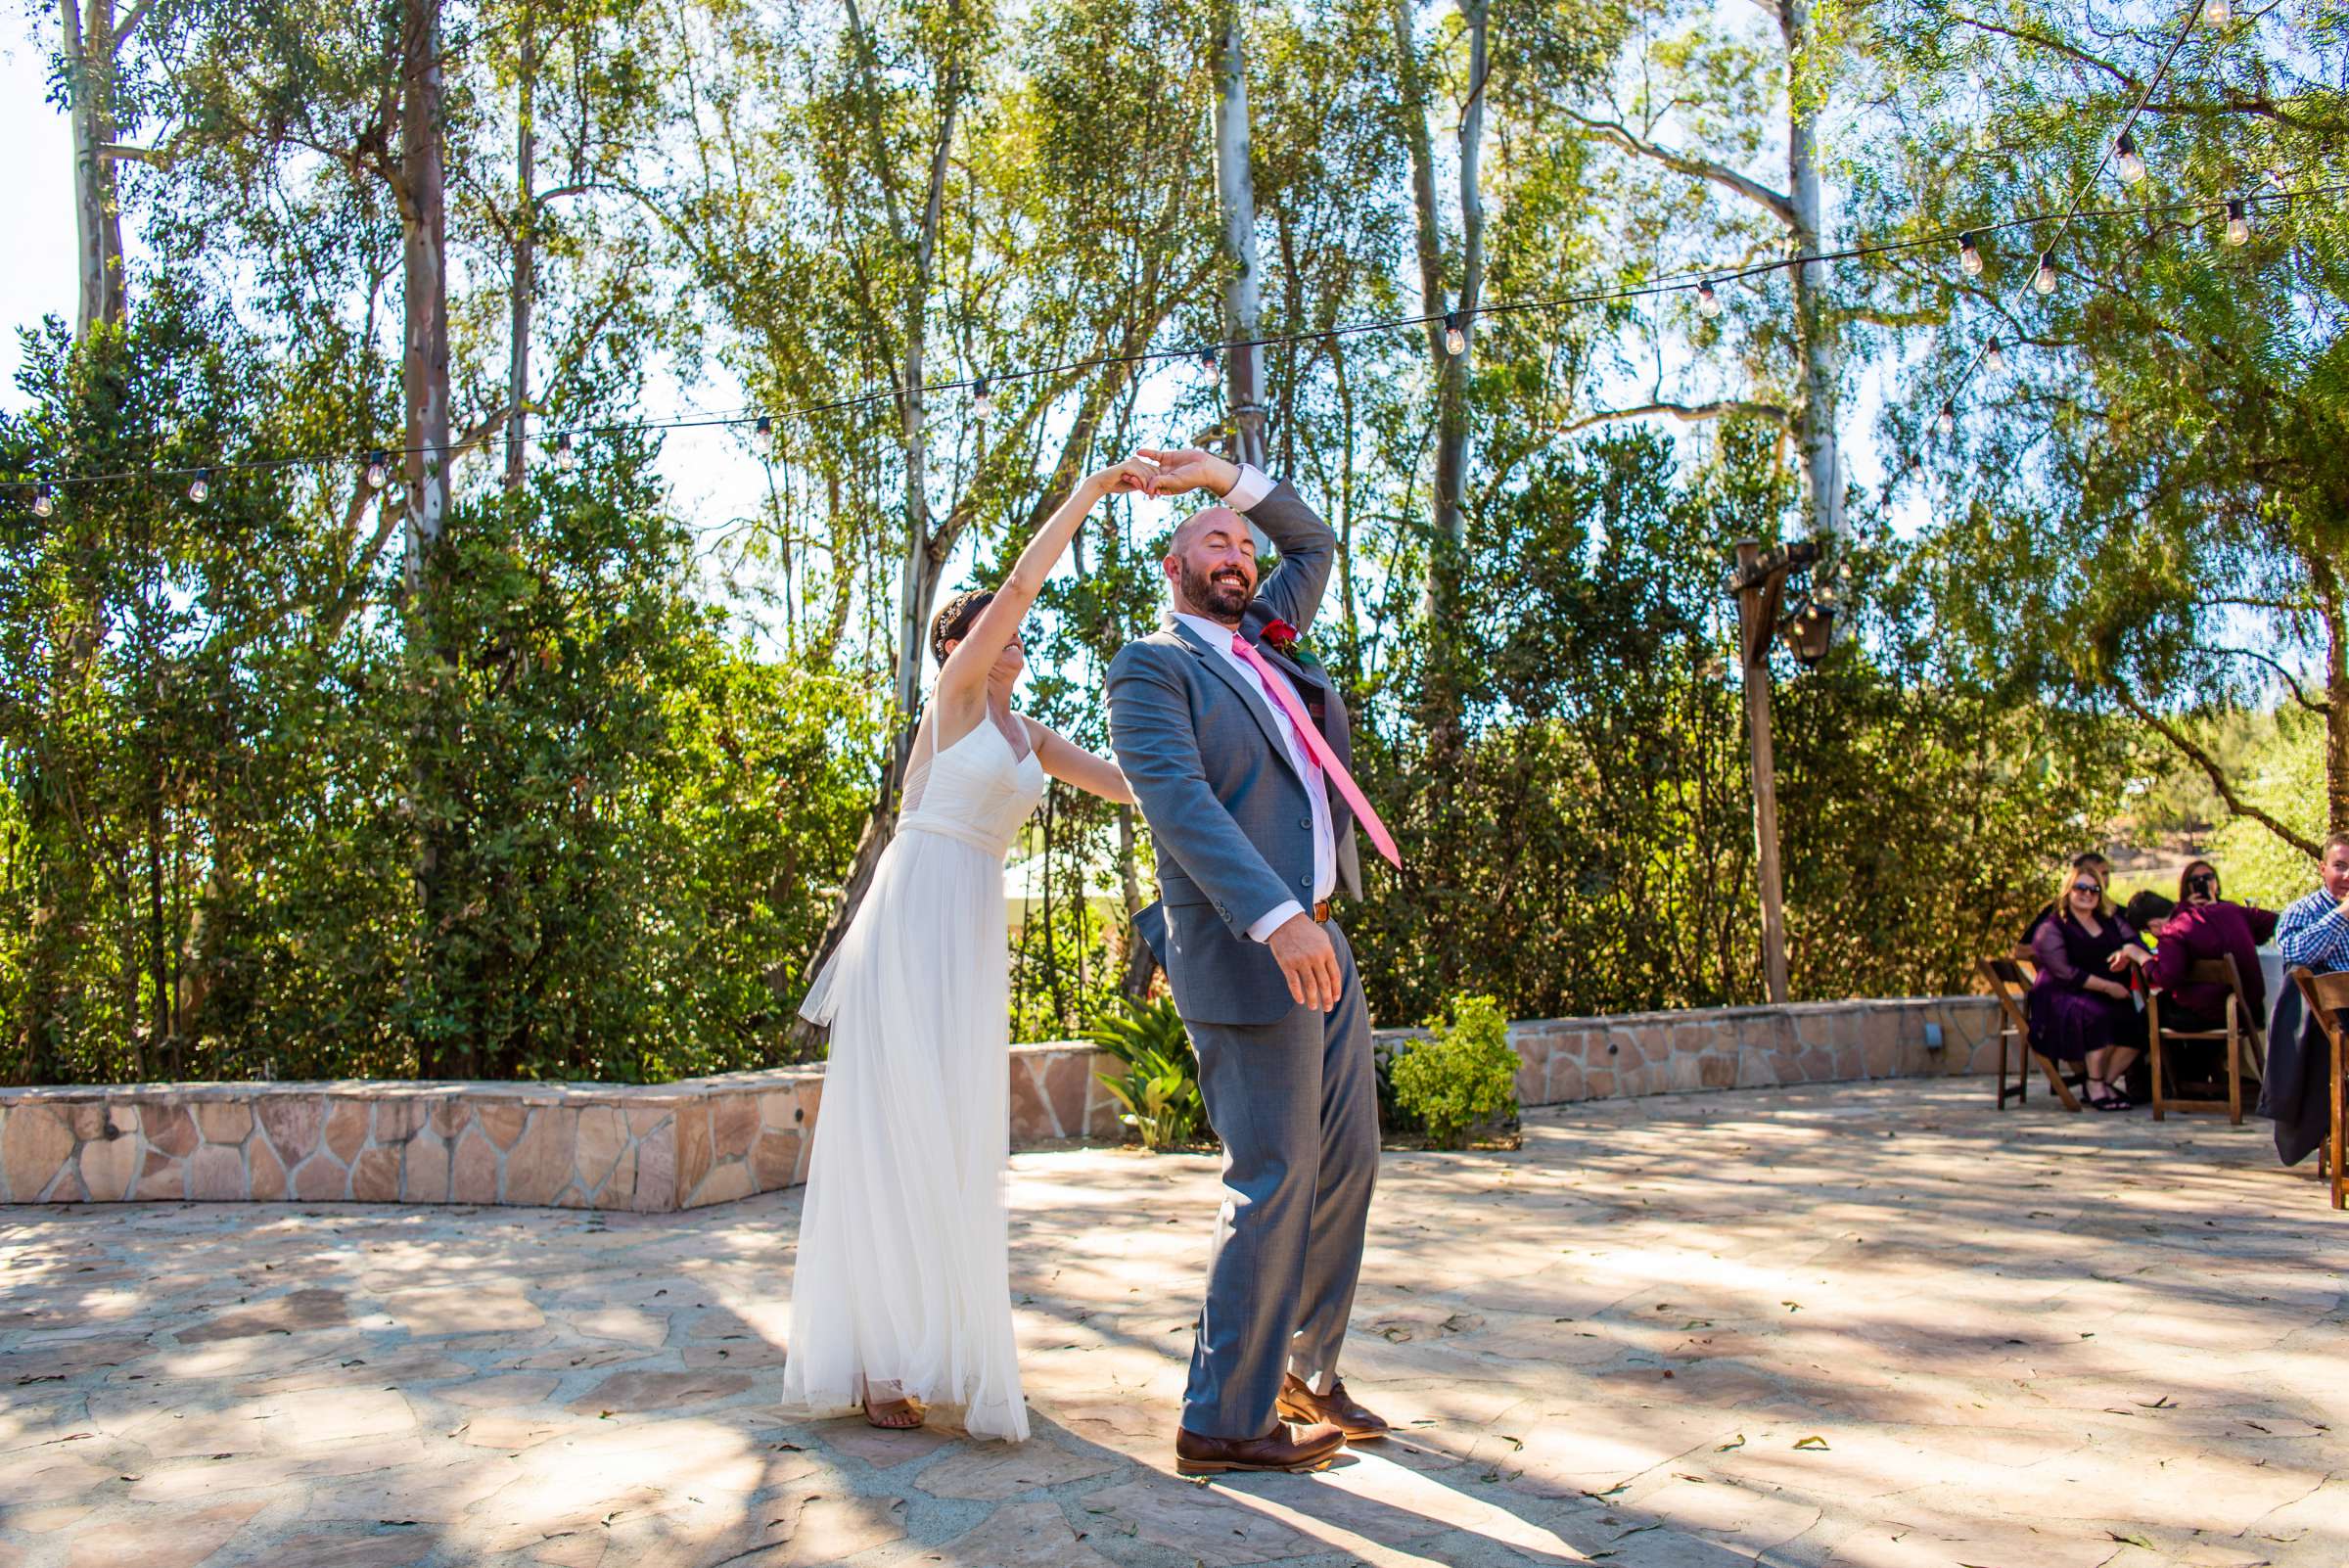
[1214,565]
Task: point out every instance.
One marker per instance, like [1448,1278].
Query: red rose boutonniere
[1282,638]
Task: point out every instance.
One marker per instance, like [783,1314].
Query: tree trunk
[2336,702]
[1815,344]
[1440,704]
[420,187]
[89,51]
[526,256]
[1235,201]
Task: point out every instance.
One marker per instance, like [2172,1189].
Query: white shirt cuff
[1250,488]
[1280,913]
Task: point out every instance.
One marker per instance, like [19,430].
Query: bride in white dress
[901,1292]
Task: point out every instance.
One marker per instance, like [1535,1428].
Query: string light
[983,401]
[1207,366]
[2128,159]
[567,456]
[2218,12]
[763,438]
[1456,334]
[1969,256]
[1947,420]
[1994,358]
[376,473]
[43,504]
[201,486]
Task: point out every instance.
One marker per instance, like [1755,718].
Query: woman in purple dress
[2082,1007]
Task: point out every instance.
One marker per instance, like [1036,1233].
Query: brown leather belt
[1322,912]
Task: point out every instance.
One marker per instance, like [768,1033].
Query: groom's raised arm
[1150,730]
[1308,546]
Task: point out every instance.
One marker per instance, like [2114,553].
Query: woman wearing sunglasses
[2083,1008]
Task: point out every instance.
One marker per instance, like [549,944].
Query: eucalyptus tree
[2139,474]
[1698,105]
[903,201]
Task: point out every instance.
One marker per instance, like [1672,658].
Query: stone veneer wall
[658,1147]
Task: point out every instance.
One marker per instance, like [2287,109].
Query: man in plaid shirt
[2314,931]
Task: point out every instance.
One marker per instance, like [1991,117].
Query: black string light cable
[1700,282]
[2122,154]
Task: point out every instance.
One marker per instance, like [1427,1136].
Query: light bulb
[983,401]
[1456,334]
[763,438]
[201,486]
[2128,159]
[2043,280]
[567,456]
[1708,304]
[42,503]
[1947,420]
[2239,223]
[379,469]
[2218,12]
[1207,366]
[1994,358]
[1969,256]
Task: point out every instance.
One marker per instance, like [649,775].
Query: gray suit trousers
[1296,1105]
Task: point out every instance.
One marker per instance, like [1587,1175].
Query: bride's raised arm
[961,700]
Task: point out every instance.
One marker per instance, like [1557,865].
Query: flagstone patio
[1867,1325]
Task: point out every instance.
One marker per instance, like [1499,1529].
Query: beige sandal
[899,1414]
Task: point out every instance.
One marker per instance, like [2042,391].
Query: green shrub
[1463,1075]
[1160,1086]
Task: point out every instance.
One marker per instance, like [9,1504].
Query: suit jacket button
[1305,882]
[1305,821]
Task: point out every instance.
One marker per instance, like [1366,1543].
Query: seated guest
[2147,910]
[2082,1009]
[2314,933]
[2207,926]
[2089,862]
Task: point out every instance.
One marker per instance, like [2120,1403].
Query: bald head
[1211,565]
[1191,528]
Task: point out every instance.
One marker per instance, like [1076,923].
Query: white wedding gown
[902,1280]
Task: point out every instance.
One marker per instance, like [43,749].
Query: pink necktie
[1278,685]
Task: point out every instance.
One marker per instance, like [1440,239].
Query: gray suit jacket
[1227,813]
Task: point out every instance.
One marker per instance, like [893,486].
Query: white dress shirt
[1253,486]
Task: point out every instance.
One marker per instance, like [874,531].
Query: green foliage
[214,812]
[1918,813]
[1463,1076]
[1160,1085]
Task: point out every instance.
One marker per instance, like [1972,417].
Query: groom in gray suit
[1253,821]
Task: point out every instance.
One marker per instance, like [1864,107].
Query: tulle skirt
[902,1278]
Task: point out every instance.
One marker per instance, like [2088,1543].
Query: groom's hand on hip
[1308,961]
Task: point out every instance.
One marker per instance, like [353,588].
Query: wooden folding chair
[2009,985]
[2242,1034]
[2325,995]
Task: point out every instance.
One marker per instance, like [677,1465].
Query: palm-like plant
[1159,1085]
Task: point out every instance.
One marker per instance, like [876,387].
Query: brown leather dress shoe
[1287,1447]
[1299,1403]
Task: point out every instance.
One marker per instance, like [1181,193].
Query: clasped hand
[1153,471]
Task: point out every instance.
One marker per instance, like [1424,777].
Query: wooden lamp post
[1760,584]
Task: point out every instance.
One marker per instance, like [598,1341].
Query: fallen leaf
[1740,1442]
[1792,1305]
[1812,1442]
[2165,1403]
